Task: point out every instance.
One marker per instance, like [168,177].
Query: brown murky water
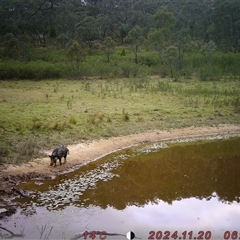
[167,190]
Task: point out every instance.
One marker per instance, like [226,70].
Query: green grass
[38,115]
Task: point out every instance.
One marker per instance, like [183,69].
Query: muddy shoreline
[84,153]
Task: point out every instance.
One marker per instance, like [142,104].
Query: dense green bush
[31,70]
[229,63]
[150,59]
[209,73]
[51,63]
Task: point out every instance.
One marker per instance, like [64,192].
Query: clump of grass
[29,148]
[62,97]
[164,86]
[55,88]
[109,120]
[69,102]
[236,104]
[141,83]
[191,102]
[95,118]
[4,152]
[58,126]
[4,100]
[72,120]
[140,119]
[86,86]
[42,126]
[37,124]
[125,115]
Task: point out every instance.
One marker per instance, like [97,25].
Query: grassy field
[38,115]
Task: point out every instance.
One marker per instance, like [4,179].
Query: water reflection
[183,186]
[187,215]
[174,173]
[201,170]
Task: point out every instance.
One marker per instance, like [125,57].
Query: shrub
[103,70]
[209,73]
[148,59]
[130,69]
[123,52]
[31,70]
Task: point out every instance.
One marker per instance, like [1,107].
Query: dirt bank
[85,152]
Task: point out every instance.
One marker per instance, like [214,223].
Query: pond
[181,189]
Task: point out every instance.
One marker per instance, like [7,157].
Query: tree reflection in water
[203,170]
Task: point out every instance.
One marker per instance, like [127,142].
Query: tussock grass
[95,118]
[36,115]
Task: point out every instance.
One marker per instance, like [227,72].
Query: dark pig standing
[58,153]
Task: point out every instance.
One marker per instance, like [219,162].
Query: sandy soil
[85,152]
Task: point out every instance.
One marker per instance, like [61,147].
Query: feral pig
[58,153]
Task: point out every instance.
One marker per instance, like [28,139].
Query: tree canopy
[95,20]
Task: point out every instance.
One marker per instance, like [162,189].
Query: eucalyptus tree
[118,13]
[87,30]
[225,29]
[75,55]
[135,39]
[108,47]
[159,37]
[39,25]
[31,17]
[62,40]
[184,45]
[169,58]
[38,16]
[67,14]
[144,21]
[11,47]
[103,25]
[207,69]
[11,17]
[147,6]
[193,17]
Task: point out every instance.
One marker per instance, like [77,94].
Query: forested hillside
[63,38]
